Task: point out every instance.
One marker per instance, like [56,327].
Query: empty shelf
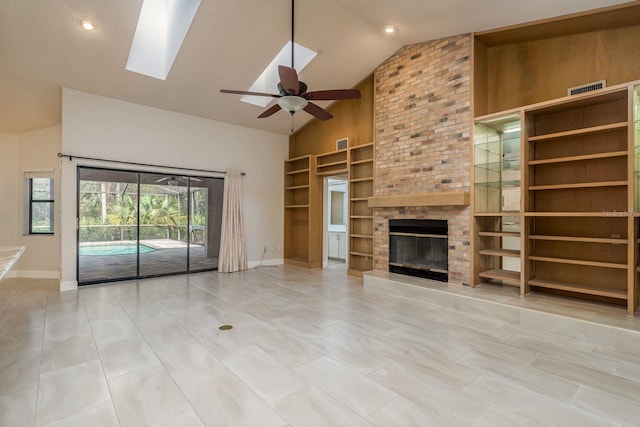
[583,289]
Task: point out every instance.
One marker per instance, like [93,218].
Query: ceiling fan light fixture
[292,103]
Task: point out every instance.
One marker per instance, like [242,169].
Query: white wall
[9,189]
[100,127]
[38,151]
[31,151]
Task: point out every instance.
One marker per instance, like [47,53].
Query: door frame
[326,215]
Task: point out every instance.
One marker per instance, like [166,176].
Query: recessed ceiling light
[88,24]
[390,29]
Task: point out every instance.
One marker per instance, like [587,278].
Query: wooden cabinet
[337,245]
[302,213]
[578,233]
[360,214]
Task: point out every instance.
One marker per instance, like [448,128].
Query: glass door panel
[107,225]
[163,224]
[205,222]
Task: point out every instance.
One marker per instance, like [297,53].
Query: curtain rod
[71,157]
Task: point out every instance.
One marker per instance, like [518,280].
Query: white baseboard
[34,274]
[71,285]
[254,264]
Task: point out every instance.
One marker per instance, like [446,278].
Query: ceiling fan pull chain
[293,45]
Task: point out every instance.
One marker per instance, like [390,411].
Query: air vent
[342,144]
[589,87]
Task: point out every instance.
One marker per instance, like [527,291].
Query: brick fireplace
[422,104]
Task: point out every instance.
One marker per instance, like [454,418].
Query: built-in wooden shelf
[581,131]
[506,276]
[295,206]
[297,187]
[583,289]
[361,159]
[361,254]
[325,165]
[579,185]
[578,262]
[500,252]
[490,214]
[297,171]
[598,214]
[578,239]
[499,233]
[606,155]
[359,162]
[449,198]
[321,172]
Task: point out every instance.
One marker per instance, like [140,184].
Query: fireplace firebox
[419,247]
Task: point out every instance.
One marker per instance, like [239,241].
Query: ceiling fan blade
[317,112]
[331,95]
[162,179]
[270,111]
[289,79]
[244,92]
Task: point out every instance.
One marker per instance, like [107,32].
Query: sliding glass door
[107,225]
[163,224]
[141,224]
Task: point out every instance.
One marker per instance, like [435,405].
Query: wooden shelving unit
[302,210]
[497,217]
[360,161]
[579,181]
[577,155]
[334,163]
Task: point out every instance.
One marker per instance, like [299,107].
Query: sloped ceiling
[42,48]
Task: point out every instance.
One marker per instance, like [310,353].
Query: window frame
[50,202]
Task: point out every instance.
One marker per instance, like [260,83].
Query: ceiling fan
[172,181]
[293,95]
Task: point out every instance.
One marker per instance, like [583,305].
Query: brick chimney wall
[422,118]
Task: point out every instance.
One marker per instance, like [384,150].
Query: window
[40,209]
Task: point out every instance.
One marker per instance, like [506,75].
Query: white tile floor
[308,347]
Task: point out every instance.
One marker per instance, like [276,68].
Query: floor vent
[589,87]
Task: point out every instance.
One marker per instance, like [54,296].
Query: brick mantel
[422,101]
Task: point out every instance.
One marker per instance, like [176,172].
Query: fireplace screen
[419,248]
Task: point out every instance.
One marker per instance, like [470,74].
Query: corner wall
[9,190]
[422,105]
[31,151]
[100,127]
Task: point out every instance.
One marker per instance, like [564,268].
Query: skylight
[162,27]
[268,80]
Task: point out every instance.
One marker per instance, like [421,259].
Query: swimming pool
[121,249]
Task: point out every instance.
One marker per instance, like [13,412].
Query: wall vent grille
[587,87]
[342,144]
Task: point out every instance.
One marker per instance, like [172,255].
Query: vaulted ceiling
[42,49]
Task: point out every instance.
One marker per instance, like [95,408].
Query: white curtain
[233,247]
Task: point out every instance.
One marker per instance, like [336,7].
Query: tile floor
[308,347]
